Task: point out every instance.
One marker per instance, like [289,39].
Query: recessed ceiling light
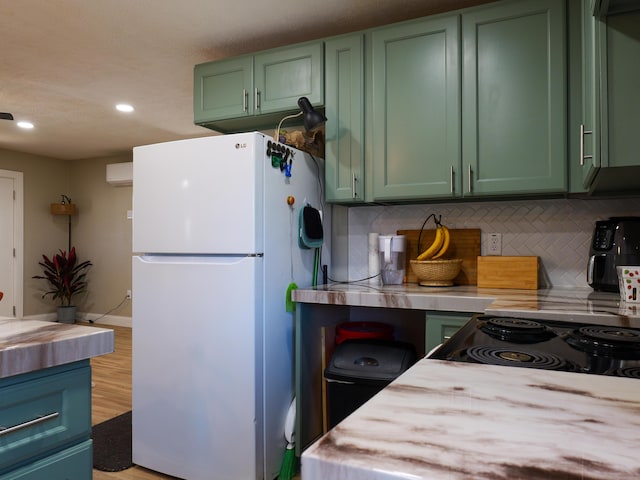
[123,107]
[26,125]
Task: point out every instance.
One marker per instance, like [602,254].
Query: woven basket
[436,273]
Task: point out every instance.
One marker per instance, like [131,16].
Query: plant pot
[67,314]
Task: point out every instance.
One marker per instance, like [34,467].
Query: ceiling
[66,63]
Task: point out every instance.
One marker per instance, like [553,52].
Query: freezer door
[199,196]
[196,344]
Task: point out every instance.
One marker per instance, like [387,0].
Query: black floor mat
[112,444]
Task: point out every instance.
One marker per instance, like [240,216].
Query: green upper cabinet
[514,98]
[344,93]
[255,90]
[588,160]
[223,90]
[623,89]
[612,7]
[284,75]
[416,109]
[609,162]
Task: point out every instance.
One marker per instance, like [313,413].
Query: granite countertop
[456,421]
[29,345]
[581,305]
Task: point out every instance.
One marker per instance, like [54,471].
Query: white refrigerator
[215,242]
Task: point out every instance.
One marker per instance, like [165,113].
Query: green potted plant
[66,278]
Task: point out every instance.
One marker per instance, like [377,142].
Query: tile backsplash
[557,230]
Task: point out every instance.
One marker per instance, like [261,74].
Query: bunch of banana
[439,246]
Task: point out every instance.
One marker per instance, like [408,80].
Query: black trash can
[359,369]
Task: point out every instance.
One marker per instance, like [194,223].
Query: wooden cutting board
[508,272]
[465,244]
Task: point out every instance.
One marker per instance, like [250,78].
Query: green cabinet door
[416,109]
[611,75]
[588,160]
[223,89]
[623,90]
[441,326]
[286,74]
[344,94]
[514,98]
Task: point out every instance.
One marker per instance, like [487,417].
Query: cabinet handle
[245,98]
[451,179]
[257,99]
[35,421]
[354,193]
[584,157]
[469,183]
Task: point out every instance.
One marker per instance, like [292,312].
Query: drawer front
[40,415]
[74,463]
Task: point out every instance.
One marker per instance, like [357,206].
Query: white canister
[392,258]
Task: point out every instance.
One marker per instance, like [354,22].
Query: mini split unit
[120,174]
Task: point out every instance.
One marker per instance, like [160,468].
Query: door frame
[18,241]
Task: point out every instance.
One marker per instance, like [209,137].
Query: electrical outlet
[129,294]
[495,244]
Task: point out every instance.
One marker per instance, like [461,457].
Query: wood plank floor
[111,396]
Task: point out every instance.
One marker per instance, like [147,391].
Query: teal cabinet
[46,420]
[344,94]
[257,90]
[71,463]
[514,98]
[441,326]
[416,109]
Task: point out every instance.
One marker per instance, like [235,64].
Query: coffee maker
[615,242]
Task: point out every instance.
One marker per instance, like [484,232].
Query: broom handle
[316,262]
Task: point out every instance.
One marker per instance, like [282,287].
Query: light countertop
[581,305]
[457,421]
[29,345]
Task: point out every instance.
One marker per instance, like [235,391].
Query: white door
[11,258]
[196,350]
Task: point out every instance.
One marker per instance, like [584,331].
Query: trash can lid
[360,361]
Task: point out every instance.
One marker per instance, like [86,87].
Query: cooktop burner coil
[617,342]
[517,357]
[629,372]
[516,330]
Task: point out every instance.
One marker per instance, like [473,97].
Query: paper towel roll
[374,259]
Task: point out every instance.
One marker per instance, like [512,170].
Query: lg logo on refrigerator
[241,145]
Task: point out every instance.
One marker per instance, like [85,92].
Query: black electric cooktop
[544,344]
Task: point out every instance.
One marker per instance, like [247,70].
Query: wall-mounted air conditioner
[120,173]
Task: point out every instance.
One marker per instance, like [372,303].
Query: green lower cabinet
[441,326]
[46,420]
